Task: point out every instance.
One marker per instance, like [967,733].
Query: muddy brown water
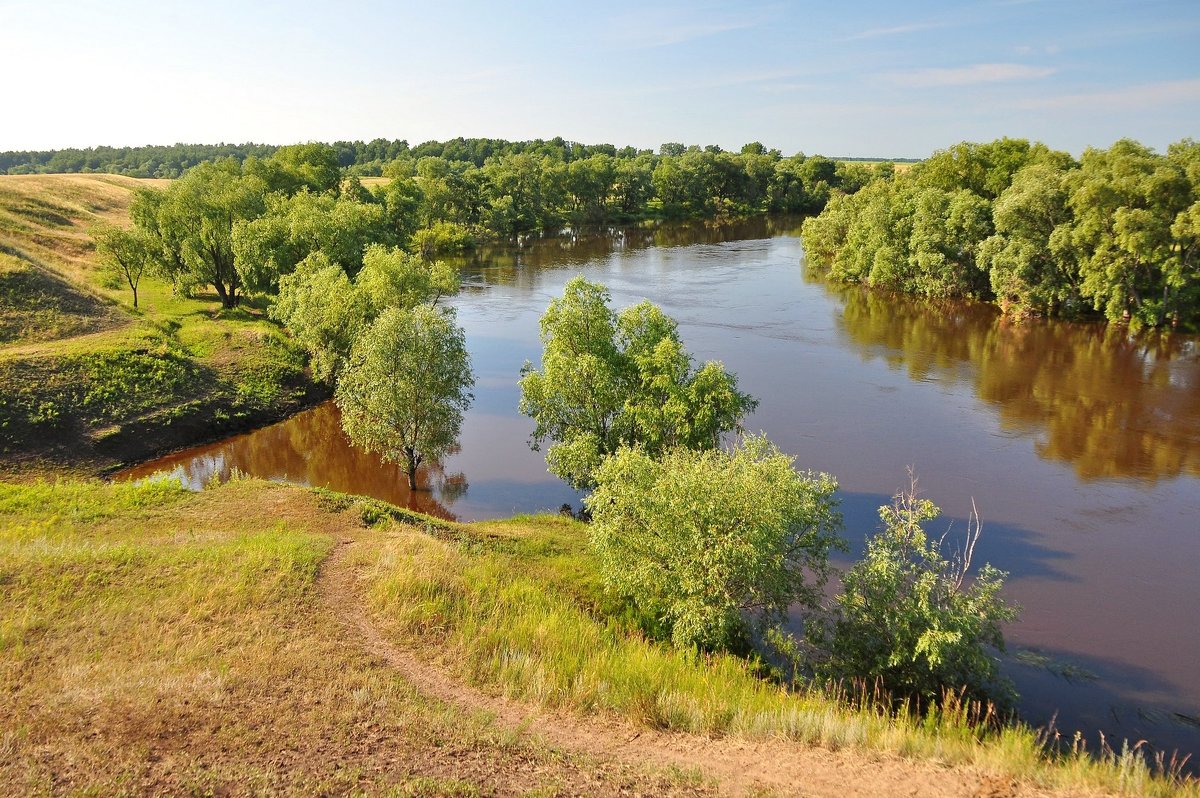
[1079,444]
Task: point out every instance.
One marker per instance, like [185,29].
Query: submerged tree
[610,379]
[914,621]
[406,386]
[326,311]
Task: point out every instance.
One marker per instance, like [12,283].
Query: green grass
[516,608]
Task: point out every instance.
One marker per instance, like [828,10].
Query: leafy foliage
[126,254]
[909,620]
[1029,228]
[406,386]
[610,379]
[326,311]
[191,225]
[293,228]
[710,544]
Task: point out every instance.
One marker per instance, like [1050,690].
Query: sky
[865,79]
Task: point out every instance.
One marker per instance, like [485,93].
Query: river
[1079,444]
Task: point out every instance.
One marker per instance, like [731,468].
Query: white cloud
[875,33]
[1129,98]
[970,75]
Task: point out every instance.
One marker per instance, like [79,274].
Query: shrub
[709,544]
[909,621]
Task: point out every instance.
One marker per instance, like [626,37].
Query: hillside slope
[88,382]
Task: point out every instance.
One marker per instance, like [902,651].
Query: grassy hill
[90,383]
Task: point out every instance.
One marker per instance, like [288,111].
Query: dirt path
[739,766]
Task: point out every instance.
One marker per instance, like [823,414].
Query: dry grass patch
[154,641]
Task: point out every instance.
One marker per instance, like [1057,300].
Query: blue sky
[850,78]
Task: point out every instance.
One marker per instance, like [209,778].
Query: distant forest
[362,158]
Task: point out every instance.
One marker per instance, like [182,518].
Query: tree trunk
[412,475]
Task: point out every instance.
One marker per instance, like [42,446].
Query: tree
[406,386]
[297,167]
[126,253]
[192,221]
[712,546]
[1126,200]
[323,311]
[611,379]
[1030,260]
[908,618]
[292,228]
[326,311]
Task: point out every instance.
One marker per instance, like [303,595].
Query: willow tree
[191,224]
[406,387]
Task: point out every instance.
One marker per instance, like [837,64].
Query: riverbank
[257,636]
[90,383]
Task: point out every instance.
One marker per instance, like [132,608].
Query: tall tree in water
[406,386]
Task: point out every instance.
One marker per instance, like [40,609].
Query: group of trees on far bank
[1115,233]
[465,190]
[240,225]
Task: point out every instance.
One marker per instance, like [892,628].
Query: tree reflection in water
[1109,403]
[311,449]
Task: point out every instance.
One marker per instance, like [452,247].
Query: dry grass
[45,218]
[158,642]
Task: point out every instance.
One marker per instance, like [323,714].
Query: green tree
[292,228]
[633,185]
[326,311]
[406,386]
[1126,200]
[323,311]
[191,225]
[298,167]
[1030,260]
[713,546]
[126,254]
[610,379]
[909,619]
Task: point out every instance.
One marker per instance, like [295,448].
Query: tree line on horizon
[361,158]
